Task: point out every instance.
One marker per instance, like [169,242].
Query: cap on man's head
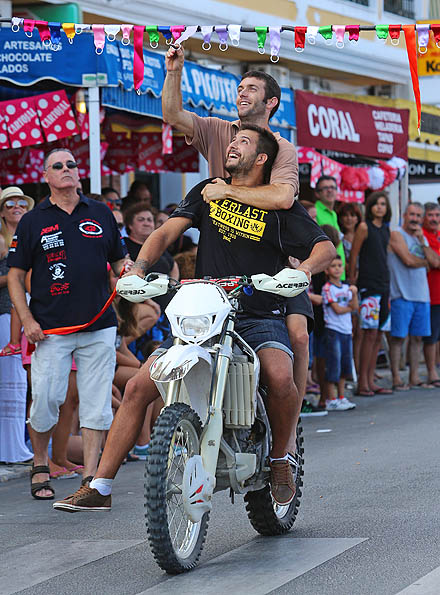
[15,192]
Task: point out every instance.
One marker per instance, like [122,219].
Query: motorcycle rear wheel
[175,541]
[267,517]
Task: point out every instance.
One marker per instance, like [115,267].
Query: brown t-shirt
[213,135]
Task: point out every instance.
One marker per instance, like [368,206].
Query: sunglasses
[69,164]
[328,188]
[10,204]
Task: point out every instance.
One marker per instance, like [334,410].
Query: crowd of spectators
[382,288]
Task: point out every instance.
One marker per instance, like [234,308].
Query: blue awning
[25,61]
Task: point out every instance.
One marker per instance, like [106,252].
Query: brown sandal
[42,485]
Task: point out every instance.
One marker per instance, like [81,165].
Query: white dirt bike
[213,433]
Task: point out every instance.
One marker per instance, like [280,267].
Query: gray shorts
[95,358]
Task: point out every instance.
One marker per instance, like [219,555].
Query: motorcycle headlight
[195,326]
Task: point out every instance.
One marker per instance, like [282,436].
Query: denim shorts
[258,333]
[410,318]
[339,355]
[435,326]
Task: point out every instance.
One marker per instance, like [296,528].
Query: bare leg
[395,351]
[139,392]
[40,443]
[341,387]
[332,390]
[415,344]
[92,440]
[153,412]
[299,339]
[283,402]
[429,350]
[373,361]
[366,353]
[61,433]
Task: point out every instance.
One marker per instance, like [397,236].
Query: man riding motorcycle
[235,240]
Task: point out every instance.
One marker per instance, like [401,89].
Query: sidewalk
[11,471]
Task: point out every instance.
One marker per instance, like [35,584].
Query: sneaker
[140,452]
[349,404]
[281,482]
[336,405]
[309,410]
[84,499]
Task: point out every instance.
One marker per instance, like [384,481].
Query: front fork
[213,431]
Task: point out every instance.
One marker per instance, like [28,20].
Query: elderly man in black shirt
[67,241]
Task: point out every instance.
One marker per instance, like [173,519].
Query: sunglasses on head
[10,204]
[59,165]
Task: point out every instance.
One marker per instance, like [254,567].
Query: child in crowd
[339,301]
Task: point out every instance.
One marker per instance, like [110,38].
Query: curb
[8,472]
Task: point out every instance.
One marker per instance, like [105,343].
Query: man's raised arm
[156,244]
[172,109]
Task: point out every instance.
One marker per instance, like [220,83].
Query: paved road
[368,522]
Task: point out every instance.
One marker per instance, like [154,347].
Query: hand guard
[287,283]
[137,289]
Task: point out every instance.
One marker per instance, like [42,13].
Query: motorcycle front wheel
[266,516]
[176,542]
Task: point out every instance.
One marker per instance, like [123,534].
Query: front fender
[177,361]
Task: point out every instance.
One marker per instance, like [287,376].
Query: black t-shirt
[373,266]
[163,265]
[236,239]
[68,255]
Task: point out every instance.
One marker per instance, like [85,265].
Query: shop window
[404,8]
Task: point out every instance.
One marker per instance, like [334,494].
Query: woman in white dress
[13,385]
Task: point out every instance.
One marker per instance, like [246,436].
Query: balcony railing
[363,2]
[404,8]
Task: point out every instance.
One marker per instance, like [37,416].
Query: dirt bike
[213,433]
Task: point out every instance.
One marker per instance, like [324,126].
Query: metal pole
[94,140]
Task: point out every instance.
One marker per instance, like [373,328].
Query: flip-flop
[423,385]
[76,468]
[63,474]
[383,391]
[365,393]
[435,383]
[401,387]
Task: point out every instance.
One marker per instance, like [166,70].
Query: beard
[254,112]
[242,166]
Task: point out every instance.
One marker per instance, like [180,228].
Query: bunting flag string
[50,35]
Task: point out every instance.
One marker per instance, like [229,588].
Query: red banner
[56,115]
[351,127]
[22,122]
[150,158]
[120,156]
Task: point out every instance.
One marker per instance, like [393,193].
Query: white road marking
[26,566]
[255,568]
[426,585]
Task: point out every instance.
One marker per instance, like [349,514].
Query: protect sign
[329,123]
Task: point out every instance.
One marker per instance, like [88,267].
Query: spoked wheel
[266,516]
[176,542]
